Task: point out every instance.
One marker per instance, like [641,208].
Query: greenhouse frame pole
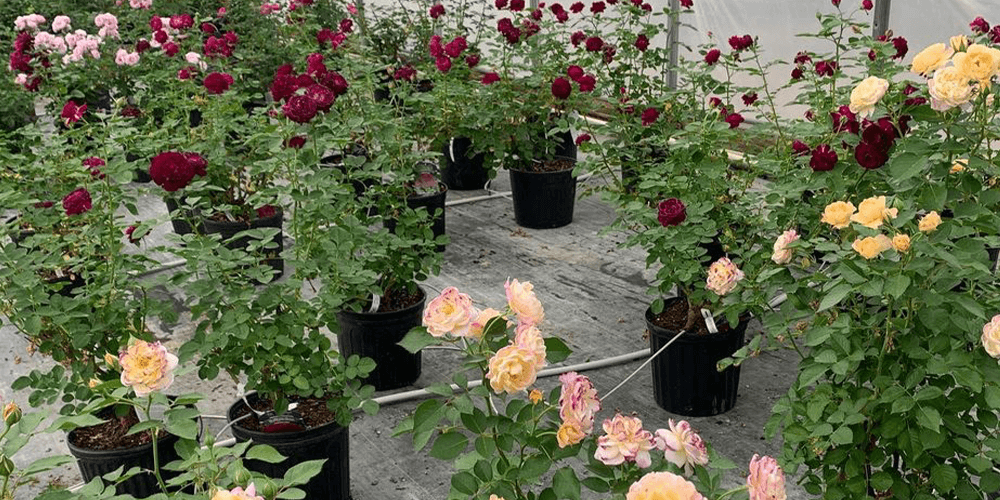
[880,24]
[673,44]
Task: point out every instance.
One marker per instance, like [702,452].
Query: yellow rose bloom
[512,369]
[931,58]
[535,396]
[930,222]
[871,246]
[959,166]
[872,212]
[838,214]
[901,242]
[979,63]
[958,42]
[949,88]
[569,434]
[663,486]
[867,94]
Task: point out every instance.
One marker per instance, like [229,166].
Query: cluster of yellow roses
[959,71]
[872,213]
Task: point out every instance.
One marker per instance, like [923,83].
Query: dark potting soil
[557,165]
[111,435]
[674,317]
[313,411]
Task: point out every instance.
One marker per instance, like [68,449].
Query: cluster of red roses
[979,25]
[335,38]
[443,54]
[822,68]
[220,47]
[877,139]
[561,88]
[732,118]
[319,88]
[20,60]
[174,170]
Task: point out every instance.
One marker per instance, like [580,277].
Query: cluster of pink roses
[33,45]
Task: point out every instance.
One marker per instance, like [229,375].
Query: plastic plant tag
[709,321]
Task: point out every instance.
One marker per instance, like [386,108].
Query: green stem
[731,492]
[156,451]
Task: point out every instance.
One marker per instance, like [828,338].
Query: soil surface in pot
[675,315]
[556,165]
[111,435]
[396,300]
[313,411]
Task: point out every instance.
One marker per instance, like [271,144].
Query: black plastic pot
[329,441]
[460,172]
[543,200]
[376,335]
[95,463]
[228,229]
[431,203]
[181,225]
[685,379]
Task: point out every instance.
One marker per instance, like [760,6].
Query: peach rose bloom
[867,94]
[535,396]
[723,276]
[901,242]
[479,324]
[949,88]
[991,337]
[493,497]
[624,440]
[959,166]
[512,369]
[527,336]
[663,486]
[766,480]
[872,246]
[872,212]
[147,367]
[781,253]
[681,446]
[449,313]
[929,222]
[979,63]
[931,58]
[569,434]
[238,493]
[838,214]
[522,301]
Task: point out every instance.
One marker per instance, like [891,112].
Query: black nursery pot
[228,229]
[376,336]
[431,203]
[543,200]
[462,172]
[181,226]
[685,380]
[95,463]
[329,441]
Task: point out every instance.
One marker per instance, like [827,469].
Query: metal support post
[881,21]
[673,44]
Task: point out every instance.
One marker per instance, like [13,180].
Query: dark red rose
[302,81]
[608,53]
[443,64]
[500,3]
[734,120]
[142,45]
[642,42]
[825,68]
[899,43]
[797,73]
[995,34]
[574,72]
[556,8]
[161,36]
[299,109]
[184,73]
[582,138]
[94,164]
[809,115]
[749,99]
[516,5]
[296,142]
[537,14]
[915,101]
[597,7]
[24,42]
[800,148]
[472,60]
[844,120]
[197,162]
[647,7]
[130,112]
[72,113]
[802,58]
[979,25]
[217,83]
[687,4]
[405,73]
[455,47]
[576,8]
[561,88]
[836,3]
[489,78]
[870,156]
[909,89]
[712,56]
[266,211]
[562,16]
[217,47]
[434,45]
[904,124]
[322,96]
[324,35]
[155,23]
[170,49]
[714,102]
[335,82]
[314,64]
[739,43]
[529,27]
[181,21]
[649,116]
[437,10]
[77,202]
[207,28]
[346,25]
[867,4]
[577,37]
[44,204]
[671,212]
[129,231]
[824,158]
[587,83]
[594,44]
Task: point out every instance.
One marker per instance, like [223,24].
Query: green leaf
[992,394]
[301,382]
[534,467]
[265,453]
[834,296]
[896,285]
[369,406]
[465,483]
[292,494]
[440,389]
[302,473]
[448,445]
[596,484]
[906,165]
[44,464]
[556,350]
[417,339]
[565,484]
[842,436]
[944,477]
[881,481]
[928,392]
[71,422]
[187,429]
[929,418]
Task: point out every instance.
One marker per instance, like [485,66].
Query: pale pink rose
[31,21]
[663,486]
[512,369]
[782,254]
[132,59]
[21,79]
[991,337]
[352,9]
[61,23]
[50,43]
[578,400]
[624,440]
[723,276]
[126,58]
[147,367]
[482,318]
[766,480]
[195,59]
[140,4]
[238,493]
[449,313]
[221,12]
[108,24]
[72,38]
[529,337]
[522,301]
[682,446]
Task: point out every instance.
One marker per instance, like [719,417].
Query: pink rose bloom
[658,485]
[522,302]
[21,79]
[449,313]
[766,480]
[108,24]
[126,58]
[479,324]
[31,21]
[512,369]
[60,23]
[723,276]
[578,400]
[238,494]
[682,446]
[782,254]
[50,43]
[624,440]
[529,337]
[140,4]
[352,9]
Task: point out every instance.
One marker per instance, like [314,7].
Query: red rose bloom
[142,45]
[642,42]
[574,72]
[687,4]
[582,138]
[594,44]
[181,21]
[346,26]
[404,73]
[734,120]
[915,101]
[797,73]
[597,7]
[561,88]
[129,231]
[437,10]
[335,82]
[587,83]
[160,36]
[443,64]
[171,170]
[197,162]
[823,158]
[836,3]
[455,47]
[155,23]
[500,3]
[434,45]
[844,120]
[71,113]
[170,49]
[299,109]
[184,73]
[489,78]
[739,43]
[217,83]
[802,58]
[609,53]
[749,99]
[207,28]
[577,37]
[899,43]
[979,25]
[516,5]
[870,156]
[800,148]
[266,211]
[649,116]
[283,86]
[867,4]
[296,142]
[322,96]
[576,8]
[130,112]
[472,60]
[826,68]
[712,56]
[77,202]
[879,135]
[94,164]
[671,212]
[714,102]
[537,14]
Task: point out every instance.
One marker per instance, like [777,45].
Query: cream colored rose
[979,63]
[867,94]
[872,212]
[949,88]
[929,222]
[479,324]
[901,242]
[871,246]
[569,434]
[838,214]
[958,42]
[931,58]
[781,254]
[512,369]
[449,313]
[522,301]
[991,337]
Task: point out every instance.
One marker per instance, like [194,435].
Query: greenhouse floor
[594,298]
